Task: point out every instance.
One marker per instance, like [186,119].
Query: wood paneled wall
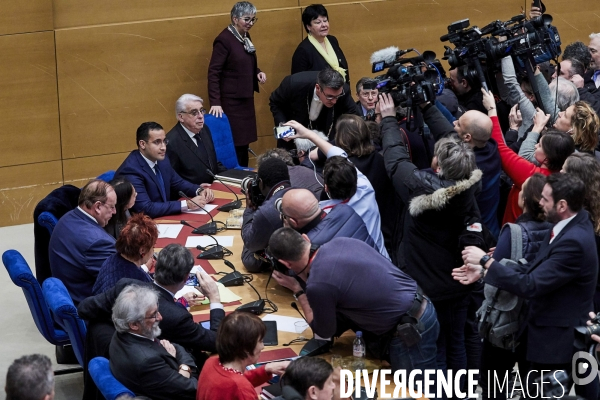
[78,76]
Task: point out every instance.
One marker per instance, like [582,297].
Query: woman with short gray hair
[233,77]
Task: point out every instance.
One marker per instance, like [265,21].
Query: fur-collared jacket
[433,220]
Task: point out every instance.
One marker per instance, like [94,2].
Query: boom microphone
[388,55]
[229,206]
[206,229]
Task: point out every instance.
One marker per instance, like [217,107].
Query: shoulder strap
[516,242]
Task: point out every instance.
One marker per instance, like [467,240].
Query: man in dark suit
[559,283]
[79,245]
[368,94]
[139,361]
[190,148]
[314,99]
[156,183]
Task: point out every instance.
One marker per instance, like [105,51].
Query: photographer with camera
[261,218]
[465,84]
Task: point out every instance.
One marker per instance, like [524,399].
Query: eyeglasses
[249,20]
[153,316]
[368,94]
[332,97]
[159,142]
[194,112]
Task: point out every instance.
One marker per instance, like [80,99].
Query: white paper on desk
[285,324]
[208,207]
[197,268]
[170,231]
[193,241]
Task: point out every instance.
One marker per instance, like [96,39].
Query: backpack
[503,313]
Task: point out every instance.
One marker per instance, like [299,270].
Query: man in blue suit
[79,244]
[559,283]
[156,183]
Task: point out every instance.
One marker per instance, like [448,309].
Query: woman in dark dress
[319,49]
[126,195]
[233,77]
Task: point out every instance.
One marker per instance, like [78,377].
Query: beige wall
[78,76]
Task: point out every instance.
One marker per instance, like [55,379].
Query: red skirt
[242,119]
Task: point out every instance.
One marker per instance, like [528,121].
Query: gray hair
[29,378]
[242,8]
[330,78]
[455,158]
[595,35]
[173,265]
[275,153]
[567,93]
[181,103]
[131,306]
[305,144]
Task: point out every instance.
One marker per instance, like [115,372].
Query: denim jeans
[422,355]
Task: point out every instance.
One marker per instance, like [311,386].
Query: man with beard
[559,283]
[146,366]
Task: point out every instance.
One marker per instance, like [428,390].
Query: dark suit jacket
[191,161]
[147,369]
[78,248]
[291,100]
[307,58]
[232,71]
[177,325]
[144,180]
[560,285]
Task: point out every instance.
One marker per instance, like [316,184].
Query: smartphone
[283,131]
[192,280]
[270,338]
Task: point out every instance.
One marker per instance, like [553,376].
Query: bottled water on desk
[358,351]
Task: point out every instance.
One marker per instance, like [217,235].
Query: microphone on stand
[313,347]
[214,253]
[233,278]
[229,206]
[206,229]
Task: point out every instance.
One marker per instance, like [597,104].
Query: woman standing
[319,49]
[233,77]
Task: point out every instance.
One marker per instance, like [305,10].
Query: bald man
[300,210]
[475,129]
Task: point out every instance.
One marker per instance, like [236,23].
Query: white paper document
[208,207]
[170,231]
[285,324]
[193,241]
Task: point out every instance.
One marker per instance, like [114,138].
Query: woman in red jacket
[239,343]
[551,152]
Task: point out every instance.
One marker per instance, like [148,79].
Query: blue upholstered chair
[107,176]
[21,275]
[48,221]
[223,140]
[65,314]
[108,385]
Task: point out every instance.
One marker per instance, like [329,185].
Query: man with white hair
[146,366]
[190,148]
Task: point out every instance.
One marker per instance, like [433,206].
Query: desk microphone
[233,278]
[313,347]
[229,206]
[206,229]
[217,252]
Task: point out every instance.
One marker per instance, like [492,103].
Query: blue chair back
[108,385]
[107,176]
[65,313]
[48,221]
[21,275]
[223,140]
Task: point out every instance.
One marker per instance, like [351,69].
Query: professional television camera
[410,81]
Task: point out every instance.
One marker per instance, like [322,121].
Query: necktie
[203,149]
[161,183]
[198,140]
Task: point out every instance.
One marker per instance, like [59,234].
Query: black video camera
[250,187]
[583,334]
[412,84]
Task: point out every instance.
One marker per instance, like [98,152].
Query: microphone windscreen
[388,55]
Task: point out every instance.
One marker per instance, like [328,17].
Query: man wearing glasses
[156,183]
[190,148]
[79,245]
[314,99]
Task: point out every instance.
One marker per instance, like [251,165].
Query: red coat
[217,383]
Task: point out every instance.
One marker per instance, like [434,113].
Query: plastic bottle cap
[358,333]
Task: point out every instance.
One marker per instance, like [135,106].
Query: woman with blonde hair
[582,123]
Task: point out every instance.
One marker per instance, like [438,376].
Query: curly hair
[586,168]
[585,124]
[139,234]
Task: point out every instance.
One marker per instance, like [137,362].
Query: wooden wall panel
[28,103]
[84,169]
[18,16]
[71,13]
[23,186]
[113,78]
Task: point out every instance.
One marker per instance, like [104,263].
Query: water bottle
[358,351]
